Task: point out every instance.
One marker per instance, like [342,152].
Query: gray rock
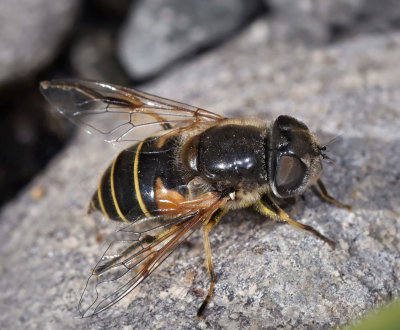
[160,32]
[270,275]
[30,33]
[320,21]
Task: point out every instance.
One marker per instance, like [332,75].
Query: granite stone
[270,275]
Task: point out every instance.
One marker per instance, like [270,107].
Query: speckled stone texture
[269,274]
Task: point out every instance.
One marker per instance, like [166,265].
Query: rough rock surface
[30,33]
[160,32]
[269,275]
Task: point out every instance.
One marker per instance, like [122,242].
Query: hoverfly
[185,177]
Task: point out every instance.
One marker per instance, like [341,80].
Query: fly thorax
[227,156]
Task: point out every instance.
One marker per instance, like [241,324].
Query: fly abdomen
[130,186]
[116,195]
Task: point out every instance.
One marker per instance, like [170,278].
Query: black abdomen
[127,188]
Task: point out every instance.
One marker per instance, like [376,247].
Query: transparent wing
[119,113]
[126,263]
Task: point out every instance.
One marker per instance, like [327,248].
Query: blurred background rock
[131,42]
[335,63]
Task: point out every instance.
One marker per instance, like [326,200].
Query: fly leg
[206,230]
[323,193]
[272,210]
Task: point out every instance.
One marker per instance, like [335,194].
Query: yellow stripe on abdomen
[136,181]
[114,197]
[100,197]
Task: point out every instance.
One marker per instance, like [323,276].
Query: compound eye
[289,175]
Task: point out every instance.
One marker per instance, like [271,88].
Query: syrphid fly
[184,177]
